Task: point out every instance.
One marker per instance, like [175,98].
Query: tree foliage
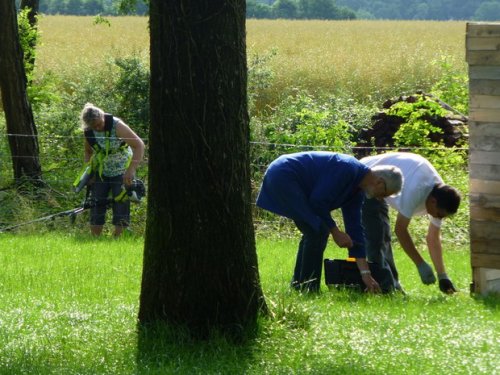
[298,9]
[94,7]
[419,9]
[28,37]
[488,11]
[480,10]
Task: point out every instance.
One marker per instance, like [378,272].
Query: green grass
[68,305]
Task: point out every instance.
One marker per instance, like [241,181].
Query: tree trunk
[21,127]
[200,264]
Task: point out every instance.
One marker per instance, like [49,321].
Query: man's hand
[445,284]
[426,273]
[371,284]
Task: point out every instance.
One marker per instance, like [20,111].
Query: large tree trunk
[23,140]
[200,263]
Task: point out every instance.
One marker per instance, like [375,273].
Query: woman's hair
[90,114]
[392,176]
[447,198]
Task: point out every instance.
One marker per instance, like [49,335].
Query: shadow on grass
[490,301]
[163,348]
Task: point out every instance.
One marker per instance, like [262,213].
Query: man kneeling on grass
[306,187]
[423,193]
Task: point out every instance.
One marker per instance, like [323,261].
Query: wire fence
[55,157]
[53,162]
[60,165]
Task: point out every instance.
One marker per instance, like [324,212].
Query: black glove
[445,284]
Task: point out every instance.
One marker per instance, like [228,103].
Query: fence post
[483,57]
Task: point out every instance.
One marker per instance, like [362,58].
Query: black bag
[344,273]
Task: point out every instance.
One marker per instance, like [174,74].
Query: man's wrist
[365,272]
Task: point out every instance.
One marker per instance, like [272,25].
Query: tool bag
[345,273]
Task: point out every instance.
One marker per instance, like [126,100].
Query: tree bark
[23,141]
[200,263]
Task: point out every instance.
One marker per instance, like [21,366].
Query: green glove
[426,273]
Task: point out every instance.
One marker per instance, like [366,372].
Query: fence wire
[60,170]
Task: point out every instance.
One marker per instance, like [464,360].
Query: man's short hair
[447,198]
[392,176]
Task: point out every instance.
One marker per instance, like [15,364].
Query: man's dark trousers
[377,226]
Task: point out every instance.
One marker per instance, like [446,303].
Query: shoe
[399,288]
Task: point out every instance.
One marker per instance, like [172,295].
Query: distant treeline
[478,10]
[308,9]
[298,9]
[85,7]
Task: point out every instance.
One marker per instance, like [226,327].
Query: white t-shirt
[419,180]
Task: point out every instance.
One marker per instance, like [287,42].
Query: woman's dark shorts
[101,190]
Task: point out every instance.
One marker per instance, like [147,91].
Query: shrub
[417,128]
[260,78]
[132,93]
[417,131]
[302,122]
[453,86]
[28,37]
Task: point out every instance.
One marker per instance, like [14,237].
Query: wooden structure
[483,57]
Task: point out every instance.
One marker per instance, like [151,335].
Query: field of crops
[358,57]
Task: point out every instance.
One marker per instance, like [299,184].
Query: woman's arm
[124,132]
[87,154]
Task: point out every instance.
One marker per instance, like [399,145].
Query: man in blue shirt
[306,187]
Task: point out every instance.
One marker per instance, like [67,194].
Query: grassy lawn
[68,305]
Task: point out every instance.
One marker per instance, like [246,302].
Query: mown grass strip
[69,305]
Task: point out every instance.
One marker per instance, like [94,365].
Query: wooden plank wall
[483,57]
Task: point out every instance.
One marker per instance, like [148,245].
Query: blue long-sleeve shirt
[307,186]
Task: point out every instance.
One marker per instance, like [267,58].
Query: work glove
[426,273]
[445,284]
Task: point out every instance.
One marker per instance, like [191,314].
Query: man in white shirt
[423,193]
